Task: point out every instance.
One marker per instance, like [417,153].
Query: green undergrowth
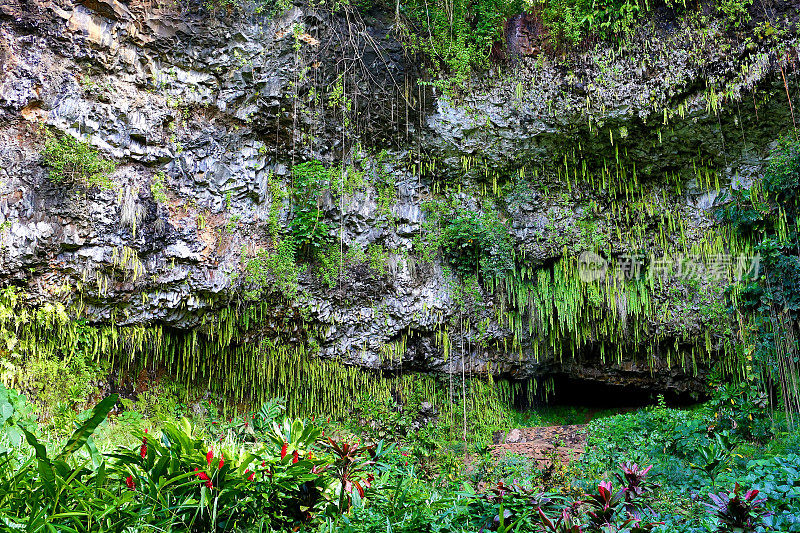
[559,415]
[394,464]
[705,451]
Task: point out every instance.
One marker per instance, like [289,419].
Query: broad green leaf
[82,434]
[6,410]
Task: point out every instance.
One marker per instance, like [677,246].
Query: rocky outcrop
[222,103]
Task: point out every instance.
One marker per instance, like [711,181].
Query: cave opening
[569,391]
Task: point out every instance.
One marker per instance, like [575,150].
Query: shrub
[308,226]
[158,188]
[457,36]
[16,414]
[476,243]
[74,162]
[737,512]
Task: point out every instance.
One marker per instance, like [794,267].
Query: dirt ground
[541,444]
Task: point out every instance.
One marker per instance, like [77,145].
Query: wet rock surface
[221,103]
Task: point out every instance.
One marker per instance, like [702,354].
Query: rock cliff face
[617,153]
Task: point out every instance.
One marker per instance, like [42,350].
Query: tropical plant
[737,512]
[61,493]
[604,505]
[183,478]
[74,162]
[16,414]
[712,456]
[355,465]
[251,426]
[565,523]
[633,479]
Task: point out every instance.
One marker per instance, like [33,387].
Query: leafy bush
[457,36]
[737,512]
[276,269]
[403,504]
[308,226]
[472,242]
[74,162]
[740,408]
[604,505]
[16,414]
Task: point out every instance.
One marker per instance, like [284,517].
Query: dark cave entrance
[580,392]
[569,391]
